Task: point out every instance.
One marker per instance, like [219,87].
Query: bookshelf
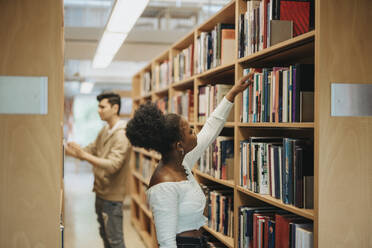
[32,205]
[338,142]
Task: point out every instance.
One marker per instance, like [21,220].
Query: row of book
[280,94]
[163,72]
[146,86]
[182,103]
[219,209]
[215,48]
[267,227]
[209,97]
[268,22]
[146,168]
[162,104]
[183,64]
[280,167]
[218,159]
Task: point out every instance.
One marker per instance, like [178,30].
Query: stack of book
[218,160]
[270,227]
[146,83]
[162,104]
[209,97]
[146,168]
[182,103]
[183,64]
[280,167]
[215,48]
[220,210]
[280,94]
[268,22]
[163,73]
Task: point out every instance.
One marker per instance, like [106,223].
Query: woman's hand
[244,82]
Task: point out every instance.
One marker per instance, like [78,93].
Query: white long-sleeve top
[179,206]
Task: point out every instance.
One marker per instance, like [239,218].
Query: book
[306,106]
[280,30]
[227,46]
[304,82]
[297,11]
[309,192]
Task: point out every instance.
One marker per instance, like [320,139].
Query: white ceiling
[162,23]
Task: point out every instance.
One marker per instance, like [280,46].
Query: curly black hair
[152,130]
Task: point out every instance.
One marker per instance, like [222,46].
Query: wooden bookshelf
[339,142]
[228,183]
[306,213]
[228,241]
[184,84]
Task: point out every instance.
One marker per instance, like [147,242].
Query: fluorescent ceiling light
[85,3]
[86,87]
[123,17]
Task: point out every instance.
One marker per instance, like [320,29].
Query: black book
[304,82]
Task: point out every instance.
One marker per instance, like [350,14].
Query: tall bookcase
[340,48]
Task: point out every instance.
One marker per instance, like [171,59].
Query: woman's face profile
[189,139]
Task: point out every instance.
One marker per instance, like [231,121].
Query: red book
[266,234]
[298,12]
[265,24]
[282,229]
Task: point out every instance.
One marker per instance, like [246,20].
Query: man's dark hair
[112,98]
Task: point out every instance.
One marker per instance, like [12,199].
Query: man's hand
[76,150]
[244,82]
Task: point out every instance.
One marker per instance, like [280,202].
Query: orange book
[227,46]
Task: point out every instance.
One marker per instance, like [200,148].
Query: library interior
[97,98]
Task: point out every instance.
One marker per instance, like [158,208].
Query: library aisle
[81,226]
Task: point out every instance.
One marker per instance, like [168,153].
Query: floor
[81,226]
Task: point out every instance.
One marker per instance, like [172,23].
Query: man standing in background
[109,154]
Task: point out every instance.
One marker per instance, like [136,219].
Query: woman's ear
[179,148]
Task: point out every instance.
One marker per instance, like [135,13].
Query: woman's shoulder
[165,177]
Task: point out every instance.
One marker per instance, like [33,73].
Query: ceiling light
[123,17]
[86,87]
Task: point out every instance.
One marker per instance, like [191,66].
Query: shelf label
[351,99]
[23,95]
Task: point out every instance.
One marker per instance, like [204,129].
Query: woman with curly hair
[176,199]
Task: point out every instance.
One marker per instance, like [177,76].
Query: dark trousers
[110,219]
[191,242]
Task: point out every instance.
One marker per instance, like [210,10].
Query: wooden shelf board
[151,154]
[228,183]
[225,15]
[147,95]
[162,57]
[184,84]
[140,177]
[215,72]
[147,67]
[184,42]
[146,237]
[278,125]
[228,241]
[227,124]
[283,47]
[136,224]
[162,91]
[306,213]
[142,206]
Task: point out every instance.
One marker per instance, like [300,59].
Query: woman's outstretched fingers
[247,78]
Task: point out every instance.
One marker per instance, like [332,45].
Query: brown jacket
[110,183]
